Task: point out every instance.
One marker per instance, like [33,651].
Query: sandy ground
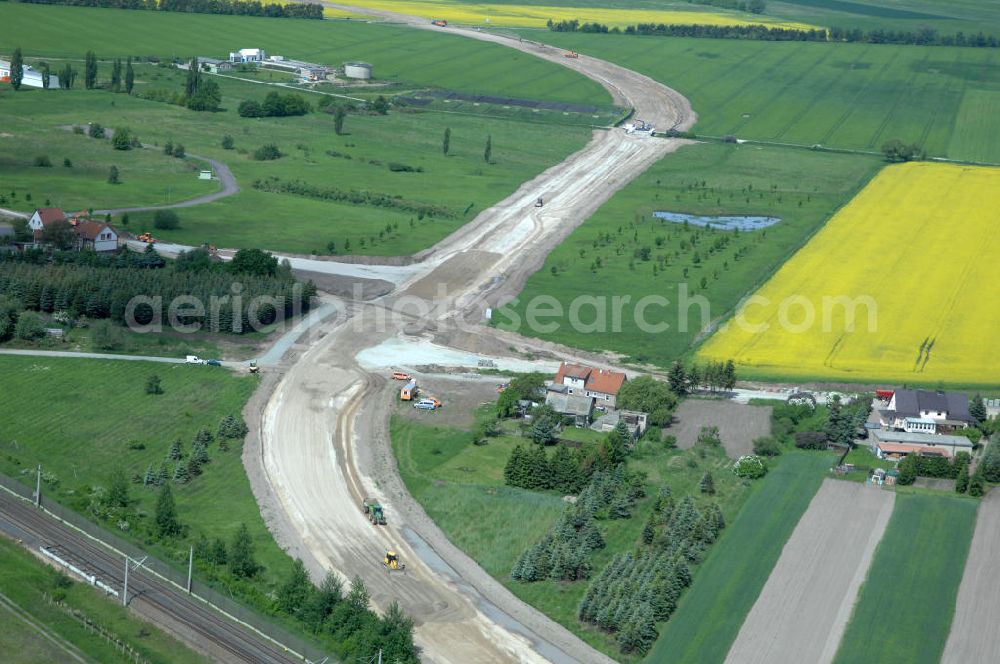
[804,607]
[738,424]
[974,635]
[320,442]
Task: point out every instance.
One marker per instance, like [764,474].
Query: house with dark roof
[889,444]
[42,217]
[577,406]
[96,235]
[923,411]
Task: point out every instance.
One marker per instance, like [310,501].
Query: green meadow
[622,251]
[462,182]
[398,54]
[854,96]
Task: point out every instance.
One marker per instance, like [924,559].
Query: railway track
[206,629]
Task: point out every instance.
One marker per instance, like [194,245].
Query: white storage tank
[360,70]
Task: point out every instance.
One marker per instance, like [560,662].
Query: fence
[124,648]
[174,575]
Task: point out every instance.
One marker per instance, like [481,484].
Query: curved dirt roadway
[226,178]
[324,439]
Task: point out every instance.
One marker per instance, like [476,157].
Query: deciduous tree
[16,68]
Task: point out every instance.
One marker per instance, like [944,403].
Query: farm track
[974,636]
[188,618]
[323,432]
[804,607]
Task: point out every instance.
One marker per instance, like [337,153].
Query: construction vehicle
[392,562]
[571,54]
[501,387]
[146,237]
[254,369]
[440,23]
[373,511]
[641,128]
[399,375]
[409,391]
[540,202]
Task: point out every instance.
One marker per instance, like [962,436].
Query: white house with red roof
[599,384]
[90,234]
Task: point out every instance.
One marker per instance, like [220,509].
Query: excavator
[392,563]
[571,54]
[146,237]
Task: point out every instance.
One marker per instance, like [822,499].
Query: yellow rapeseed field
[530,16]
[919,248]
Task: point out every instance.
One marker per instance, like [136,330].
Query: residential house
[564,402]
[41,218]
[96,235]
[922,411]
[246,55]
[599,384]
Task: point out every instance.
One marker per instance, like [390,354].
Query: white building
[31,77]
[245,55]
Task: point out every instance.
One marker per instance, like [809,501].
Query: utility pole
[190,567]
[38,487]
[125,590]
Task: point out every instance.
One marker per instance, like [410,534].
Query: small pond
[744,223]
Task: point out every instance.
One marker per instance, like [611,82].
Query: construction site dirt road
[320,443]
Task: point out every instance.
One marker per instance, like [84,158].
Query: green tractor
[373,511]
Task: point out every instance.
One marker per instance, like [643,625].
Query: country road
[321,431]
[226,178]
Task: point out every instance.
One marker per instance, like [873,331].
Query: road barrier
[201,590]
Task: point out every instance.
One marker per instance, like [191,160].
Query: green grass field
[843,95]
[969,16]
[397,54]
[457,483]
[727,584]
[461,181]
[94,409]
[801,187]
[147,177]
[26,581]
[914,578]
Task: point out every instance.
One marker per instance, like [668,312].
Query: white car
[194,359]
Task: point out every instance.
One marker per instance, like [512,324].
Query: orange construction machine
[439,23]
[571,54]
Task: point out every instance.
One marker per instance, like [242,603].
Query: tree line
[227,7]
[275,185]
[923,37]
[275,105]
[101,287]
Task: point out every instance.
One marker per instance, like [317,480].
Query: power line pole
[125,590]
[38,487]
[190,567]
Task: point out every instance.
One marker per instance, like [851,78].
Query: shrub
[766,446]
[67,163]
[122,139]
[396,167]
[166,220]
[179,151]
[750,467]
[227,142]
[29,327]
[249,108]
[42,161]
[267,152]
[811,440]
[113,175]
[106,336]
[95,130]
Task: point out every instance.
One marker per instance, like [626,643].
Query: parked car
[213,363]
[427,404]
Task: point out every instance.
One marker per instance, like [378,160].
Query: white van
[194,359]
[426,404]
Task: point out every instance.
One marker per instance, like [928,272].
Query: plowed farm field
[897,286]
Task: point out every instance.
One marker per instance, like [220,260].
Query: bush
[122,139]
[95,130]
[42,161]
[29,327]
[267,152]
[227,142]
[750,467]
[811,440]
[67,163]
[113,177]
[153,385]
[249,108]
[766,446]
[396,167]
[166,220]
[179,151]
[106,336]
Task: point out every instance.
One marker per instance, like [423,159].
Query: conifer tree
[241,554]
[707,484]
[176,452]
[116,75]
[294,594]
[129,76]
[90,71]
[167,524]
[181,474]
[677,378]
